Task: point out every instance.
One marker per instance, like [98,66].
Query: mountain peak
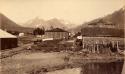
[55,22]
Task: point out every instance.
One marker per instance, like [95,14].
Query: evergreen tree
[39,31]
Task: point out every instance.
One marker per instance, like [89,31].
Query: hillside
[9,25]
[117,18]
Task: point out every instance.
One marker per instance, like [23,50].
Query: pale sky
[75,11]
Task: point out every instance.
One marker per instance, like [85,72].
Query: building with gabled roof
[57,33]
[7,40]
[100,38]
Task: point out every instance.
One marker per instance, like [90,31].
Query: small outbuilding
[7,40]
[57,33]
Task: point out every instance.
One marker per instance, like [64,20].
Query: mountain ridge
[55,22]
[117,18]
[9,25]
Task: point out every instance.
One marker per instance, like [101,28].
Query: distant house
[99,38]
[57,33]
[7,40]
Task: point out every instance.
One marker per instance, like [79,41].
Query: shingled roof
[56,30]
[102,32]
[101,21]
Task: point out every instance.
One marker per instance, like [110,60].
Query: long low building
[7,40]
[57,33]
[101,38]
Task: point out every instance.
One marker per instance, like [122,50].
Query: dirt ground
[24,62]
[28,62]
[32,62]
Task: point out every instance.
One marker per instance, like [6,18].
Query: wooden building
[96,38]
[57,33]
[7,40]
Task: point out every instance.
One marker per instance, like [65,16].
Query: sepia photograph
[62,36]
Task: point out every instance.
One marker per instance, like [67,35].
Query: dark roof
[56,30]
[101,21]
[102,32]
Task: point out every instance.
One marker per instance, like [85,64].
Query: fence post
[118,47]
[83,42]
[94,48]
[97,46]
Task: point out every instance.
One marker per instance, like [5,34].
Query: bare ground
[30,62]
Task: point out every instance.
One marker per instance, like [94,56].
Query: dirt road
[10,52]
